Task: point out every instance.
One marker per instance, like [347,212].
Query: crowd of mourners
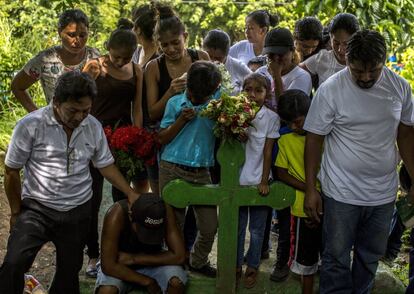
[334,123]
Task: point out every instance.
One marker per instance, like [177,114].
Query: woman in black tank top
[165,76]
[119,84]
[144,24]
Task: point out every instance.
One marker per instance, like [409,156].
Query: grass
[11,112]
[86,287]
[400,265]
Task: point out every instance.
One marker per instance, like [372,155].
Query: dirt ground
[44,265]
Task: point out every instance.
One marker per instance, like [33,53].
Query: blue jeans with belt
[363,228]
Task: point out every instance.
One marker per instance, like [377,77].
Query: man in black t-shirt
[132,254]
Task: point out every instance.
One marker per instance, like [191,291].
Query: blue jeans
[410,288]
[257,224]
[394,240]
[363,228]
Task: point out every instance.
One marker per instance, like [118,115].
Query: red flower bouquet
[132,147]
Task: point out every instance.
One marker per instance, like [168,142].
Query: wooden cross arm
[180,194]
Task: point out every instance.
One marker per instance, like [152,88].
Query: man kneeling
[132,248]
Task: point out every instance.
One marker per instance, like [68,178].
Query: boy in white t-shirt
[217,44]
[358,114]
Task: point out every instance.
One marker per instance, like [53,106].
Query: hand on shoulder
[203,55]
[92,68]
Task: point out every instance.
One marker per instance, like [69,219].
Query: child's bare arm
[284,176]
[267,161]
[166,135]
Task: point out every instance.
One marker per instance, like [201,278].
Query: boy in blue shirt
[188,153]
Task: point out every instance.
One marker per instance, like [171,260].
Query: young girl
[308,40]
[326,63]
[256,171]
[119,84]
[308,36]
[257,25]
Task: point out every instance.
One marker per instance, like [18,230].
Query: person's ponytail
[264,18]
[123,36]
[167,21]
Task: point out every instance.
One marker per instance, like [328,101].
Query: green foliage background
[28,26]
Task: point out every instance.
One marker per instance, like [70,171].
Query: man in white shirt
[217,45]
[54,146]
[358,113]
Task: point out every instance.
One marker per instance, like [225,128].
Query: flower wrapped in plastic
[132,148]
[226,81]
[232,114]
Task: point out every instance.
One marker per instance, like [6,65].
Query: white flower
[226,81]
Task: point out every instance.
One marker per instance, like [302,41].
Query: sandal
[250,278]
[91,270]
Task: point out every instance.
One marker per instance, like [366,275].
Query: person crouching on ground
[132,248]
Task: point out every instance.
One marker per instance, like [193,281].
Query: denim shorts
[162,274]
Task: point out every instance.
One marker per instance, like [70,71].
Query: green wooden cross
[228,196]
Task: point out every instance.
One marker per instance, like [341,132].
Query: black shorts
[305,246]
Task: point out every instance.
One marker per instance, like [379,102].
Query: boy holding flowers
[188,153]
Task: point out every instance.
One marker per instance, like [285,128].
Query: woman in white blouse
[258,24]
[326,63]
